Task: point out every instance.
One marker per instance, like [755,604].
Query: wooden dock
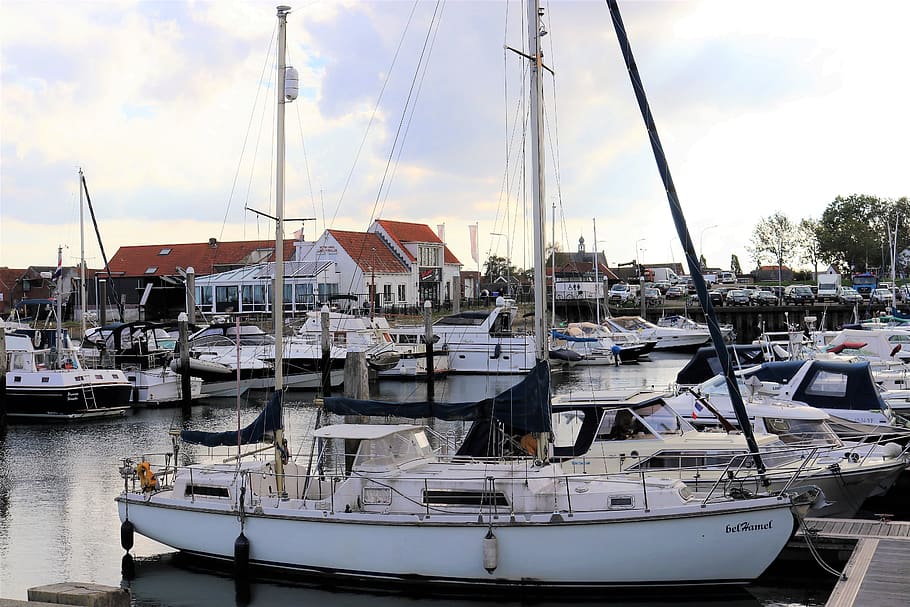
[878,572]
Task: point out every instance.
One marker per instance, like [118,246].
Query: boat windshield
[632,323]
[623,424]
[663,419]
[393,451]
[802,431]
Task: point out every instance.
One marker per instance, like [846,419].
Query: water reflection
[172,581]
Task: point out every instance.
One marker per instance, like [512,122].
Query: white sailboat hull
[581,550]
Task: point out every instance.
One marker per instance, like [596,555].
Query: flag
[475,254]
[59,271]
[441,231]
[696,409]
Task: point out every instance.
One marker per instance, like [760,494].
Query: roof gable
[403,231]
[369,252]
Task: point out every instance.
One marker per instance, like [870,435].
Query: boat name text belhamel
[747,526]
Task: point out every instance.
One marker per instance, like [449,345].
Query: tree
[703,262]
[809,248]
[734,265]
[774,239]
[851,231]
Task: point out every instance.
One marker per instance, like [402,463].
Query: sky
[413,112]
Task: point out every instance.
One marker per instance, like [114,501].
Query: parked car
[621,293]
[727,278]
[882,296]
[737,297]
[849,295]
[663,286]
[798,294]
[903,293]
[676,292]
[653,296]
[763,298]
[717,298]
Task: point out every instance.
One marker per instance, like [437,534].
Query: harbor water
[58,519]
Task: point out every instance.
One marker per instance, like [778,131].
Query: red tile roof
[369,251]
[201,256]
[403,231]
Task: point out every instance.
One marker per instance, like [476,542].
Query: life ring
[147,478]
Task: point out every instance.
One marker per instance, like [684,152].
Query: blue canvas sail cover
[260,430]
[566,337]
[524,406]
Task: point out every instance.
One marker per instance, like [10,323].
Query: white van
[727,278]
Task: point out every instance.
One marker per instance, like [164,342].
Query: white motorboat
[598,432]
[482,342]
[664,338]
[139,349]
[381,507]
[675,321]
[597,345]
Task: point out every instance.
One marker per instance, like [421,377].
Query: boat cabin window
[622,424]
[502,325]
[566,426]
[212,341]
[393,451]
[686,459]
[663,419]
[802,431]
[827,383]
[465,319]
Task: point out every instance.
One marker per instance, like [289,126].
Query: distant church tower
[581,244]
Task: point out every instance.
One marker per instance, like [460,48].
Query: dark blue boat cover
[261,430]
[557,335]
[524,406]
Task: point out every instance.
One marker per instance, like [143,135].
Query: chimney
[213,242]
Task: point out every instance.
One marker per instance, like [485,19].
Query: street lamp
[508,261]
[637,253]
[701,245]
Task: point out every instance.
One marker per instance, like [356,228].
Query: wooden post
[102,302]
[185,389]
[326,365]
[2,379]
[355,386]
[456,294]
[428,339]
[191,295]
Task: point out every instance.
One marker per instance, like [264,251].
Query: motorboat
[223,348]
[45,382]
[482,342]
[665,338]
[143,351]
[597,345]
[678,321]
[643,432]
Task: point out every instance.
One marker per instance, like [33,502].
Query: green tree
[851,230]
[734,265]
[773,239]
[809,247]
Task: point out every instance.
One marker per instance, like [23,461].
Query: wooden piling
[191,295]
[428,339]
[186,392]
[355,386]
[326,360]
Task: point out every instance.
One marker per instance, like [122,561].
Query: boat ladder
[88,393]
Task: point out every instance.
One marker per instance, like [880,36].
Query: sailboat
[376,505]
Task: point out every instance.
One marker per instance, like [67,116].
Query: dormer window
[164,252]
[151,269]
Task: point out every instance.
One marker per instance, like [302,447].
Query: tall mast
[596,282]
[59,307]
[81,255]
[278,295]
[553,265]
[537,176]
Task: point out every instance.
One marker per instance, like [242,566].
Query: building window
[151,269]
[303,295]
[164,252]
[402,293]
[428,256]
[387,294]
[327,289]
[227,299]
[204,296]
